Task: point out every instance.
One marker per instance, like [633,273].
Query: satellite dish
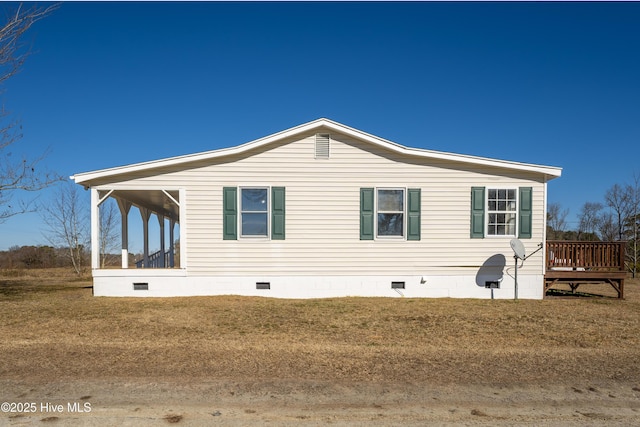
[518,248]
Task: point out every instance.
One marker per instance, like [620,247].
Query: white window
[501,212]
[254,212]
[390,212]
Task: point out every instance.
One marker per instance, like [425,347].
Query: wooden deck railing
[599,256]
[576,263]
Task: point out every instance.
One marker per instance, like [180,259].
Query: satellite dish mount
[519,253]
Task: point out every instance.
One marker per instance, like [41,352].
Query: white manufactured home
[325,210]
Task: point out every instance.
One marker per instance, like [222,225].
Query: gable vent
[322,146]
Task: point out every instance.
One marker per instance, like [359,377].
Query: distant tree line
[617,218]
[44,256]
[26,257]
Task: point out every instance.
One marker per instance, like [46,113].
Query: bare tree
[556,220]
[589,220]
[109,215]
[607,227]
[633,223]
[68,223]
[618,199]
[17,173]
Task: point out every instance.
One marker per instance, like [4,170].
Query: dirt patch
[379,361]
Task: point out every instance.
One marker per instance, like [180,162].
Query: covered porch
[166,205]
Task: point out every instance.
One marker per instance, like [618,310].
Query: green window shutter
[477,212]
[366,213]
[525,213]
[277,213]
[230,213]
[413,208]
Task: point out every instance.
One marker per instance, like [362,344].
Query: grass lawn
[52,327]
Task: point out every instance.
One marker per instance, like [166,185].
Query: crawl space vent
[397,285]
[263,285]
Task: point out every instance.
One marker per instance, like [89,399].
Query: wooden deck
[576,263]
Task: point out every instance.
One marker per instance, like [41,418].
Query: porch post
[95,229]
[544,235]
[146,213]
[182,219]
[161,262]
[172,224]
[124,206]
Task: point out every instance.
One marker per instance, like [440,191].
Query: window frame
[515,213]
[241,212]
[403,212]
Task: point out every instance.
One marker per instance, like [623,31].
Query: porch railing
[156,260]
[575,255]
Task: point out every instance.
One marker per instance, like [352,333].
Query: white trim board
[325,125]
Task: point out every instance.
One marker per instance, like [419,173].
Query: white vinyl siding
[322,211]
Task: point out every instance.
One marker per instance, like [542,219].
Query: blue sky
[550,83]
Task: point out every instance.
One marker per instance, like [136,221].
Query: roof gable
[86,178]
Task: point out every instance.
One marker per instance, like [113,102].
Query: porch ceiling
[154,200]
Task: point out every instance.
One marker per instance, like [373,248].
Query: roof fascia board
[549,171]
[442,155]
[188,158]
